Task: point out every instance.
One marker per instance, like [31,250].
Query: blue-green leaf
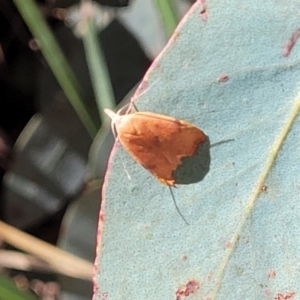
[225,71]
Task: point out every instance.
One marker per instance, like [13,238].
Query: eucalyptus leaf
[224,70]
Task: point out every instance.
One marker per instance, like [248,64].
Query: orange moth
[157,142]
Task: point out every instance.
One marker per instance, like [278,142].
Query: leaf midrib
[249,208]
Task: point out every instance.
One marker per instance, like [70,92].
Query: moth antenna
[120,111]
[124,166]
[186,222]
[113,129]
[112,117]
[134,106]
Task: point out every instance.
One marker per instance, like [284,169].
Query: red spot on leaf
[267,292]
[272,274]
[285,296]
[264,188]
[102,216]
[210,275]
[291,43]
[203,12]
[191,287]
[175,36]
[142,87]
[228,245]
[223,78]
[104,296]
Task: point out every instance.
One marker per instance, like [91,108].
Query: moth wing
[158,142]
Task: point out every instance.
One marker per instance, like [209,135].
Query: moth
[157,142]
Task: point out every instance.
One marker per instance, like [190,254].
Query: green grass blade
[168,15]
[56,60]
[9,291]
[97,66]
